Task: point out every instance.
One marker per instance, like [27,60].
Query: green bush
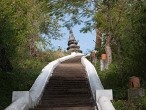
[138,104]
[26,70]
[15,81]
[116,77]
[113,79]
[119,104]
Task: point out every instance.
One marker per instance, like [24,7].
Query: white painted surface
[105,104]
[107,93]
[37,88]
[94,80]
[22,103]
[18,94]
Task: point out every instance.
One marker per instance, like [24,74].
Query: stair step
[66,96]
[63,102]
[67,83]
[66,108]
[64,105]
[68,78]
[67,87]
[61,91]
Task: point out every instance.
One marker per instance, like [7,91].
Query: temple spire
[71,37]
[72,43]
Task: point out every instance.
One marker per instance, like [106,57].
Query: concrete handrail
[35,92]
[94,80]
[22,103]
[105,104]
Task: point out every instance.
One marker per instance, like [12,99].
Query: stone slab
[17,94]
[107,93]
[134,93]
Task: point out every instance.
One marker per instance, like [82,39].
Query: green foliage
[119,104]
[18,80]
[138,104]
[117,76]
[22,20]
[116,80]
[24,74]
[73,12]
[128,44]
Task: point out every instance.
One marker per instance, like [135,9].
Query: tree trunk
[98,39]
[5,63]
[108,48]
[32,47]
[109,36]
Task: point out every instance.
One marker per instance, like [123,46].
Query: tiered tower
[73,44]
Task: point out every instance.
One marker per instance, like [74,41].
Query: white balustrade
[94,80]
[104,96]
[105,104]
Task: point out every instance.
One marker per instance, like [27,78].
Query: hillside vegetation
[23,75]
[27,27]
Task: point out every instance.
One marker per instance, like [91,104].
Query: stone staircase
[68,88]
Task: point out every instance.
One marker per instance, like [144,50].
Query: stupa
[73,44]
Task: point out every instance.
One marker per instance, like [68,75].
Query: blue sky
[86,42]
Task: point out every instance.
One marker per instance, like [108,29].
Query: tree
[90,9]
[22,24]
